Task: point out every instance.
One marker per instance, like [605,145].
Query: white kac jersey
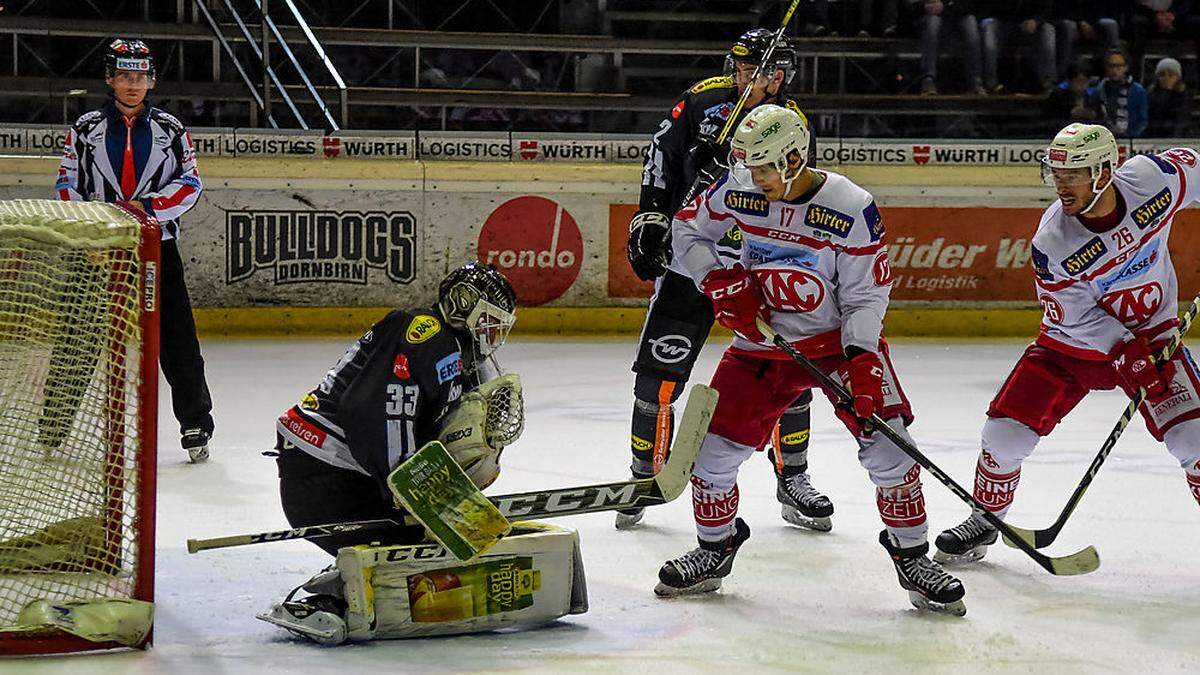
[1097,288]
[821,262]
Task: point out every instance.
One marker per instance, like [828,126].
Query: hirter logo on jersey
[829,220]
[790,290]
[1133,306]
[749,203]
[1152,211]
[1085,257]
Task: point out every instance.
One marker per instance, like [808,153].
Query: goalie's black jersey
[383,399]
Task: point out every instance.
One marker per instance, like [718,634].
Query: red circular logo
[1051,309]
[536,244]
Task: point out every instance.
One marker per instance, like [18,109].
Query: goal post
[79,311]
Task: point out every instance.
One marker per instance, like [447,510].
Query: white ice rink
[796,601]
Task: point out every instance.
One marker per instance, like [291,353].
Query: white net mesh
[70,355]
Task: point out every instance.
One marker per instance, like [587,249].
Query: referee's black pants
[179,349]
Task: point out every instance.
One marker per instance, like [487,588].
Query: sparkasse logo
[536,244]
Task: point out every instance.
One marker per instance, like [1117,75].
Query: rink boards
[311,246]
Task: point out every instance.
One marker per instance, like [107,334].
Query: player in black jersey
[417,375]
[683,151]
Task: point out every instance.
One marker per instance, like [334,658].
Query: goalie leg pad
[531,577]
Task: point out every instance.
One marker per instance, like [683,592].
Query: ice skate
[802,505]
[195,441]
[701,569]
[966,542]
[629,518]
[929,586]
[317,617]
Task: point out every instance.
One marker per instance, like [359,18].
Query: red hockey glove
[865,373]
[737,300]
[1135,365]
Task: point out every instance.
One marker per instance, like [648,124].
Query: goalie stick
[1045,537]
[1081,562]
[668,484]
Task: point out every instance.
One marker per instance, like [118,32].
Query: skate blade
[960,559]
[627,521]
[792,515]
[956,608]
[198,455]
[322,627]
[706,586]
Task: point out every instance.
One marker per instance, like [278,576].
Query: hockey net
[78,406]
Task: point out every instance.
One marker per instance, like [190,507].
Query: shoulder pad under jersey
[89,120]
[718,82]
[166,119]
[795,107]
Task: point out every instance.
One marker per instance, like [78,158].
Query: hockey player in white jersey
[813,263]
[1110,298]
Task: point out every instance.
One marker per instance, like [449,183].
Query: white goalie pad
[486,420]
[531,577]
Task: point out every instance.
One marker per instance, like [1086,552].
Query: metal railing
[272,85]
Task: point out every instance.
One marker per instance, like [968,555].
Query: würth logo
[320,246]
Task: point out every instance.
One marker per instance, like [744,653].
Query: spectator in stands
[1096,22]
[1012,21]
[1157,19]
[888,12]
[1170,102]
[1069,100]
[959,14]
[1120,100]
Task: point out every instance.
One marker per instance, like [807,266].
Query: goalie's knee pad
[531,577]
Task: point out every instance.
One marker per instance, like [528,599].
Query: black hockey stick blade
[310,532]
[1045,537]
[1080,562]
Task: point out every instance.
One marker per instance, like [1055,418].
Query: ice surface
[797,600]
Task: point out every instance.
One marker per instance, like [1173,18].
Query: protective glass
[490,326]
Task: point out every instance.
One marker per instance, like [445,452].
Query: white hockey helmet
[1082,146]
[768,135]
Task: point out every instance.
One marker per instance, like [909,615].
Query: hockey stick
[1045,537]
[737,109]
[1082,562]
[668,484]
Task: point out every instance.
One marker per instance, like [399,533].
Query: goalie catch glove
[487,419]
[649,245]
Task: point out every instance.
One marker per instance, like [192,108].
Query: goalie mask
[128,55]
[477,300]
[750,48]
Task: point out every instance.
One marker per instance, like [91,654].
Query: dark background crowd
[886,68]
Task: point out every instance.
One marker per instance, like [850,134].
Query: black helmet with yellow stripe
[753,44]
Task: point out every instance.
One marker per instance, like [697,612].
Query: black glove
[649,245]
[707,159]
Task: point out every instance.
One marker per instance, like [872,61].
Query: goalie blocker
[531,577]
